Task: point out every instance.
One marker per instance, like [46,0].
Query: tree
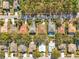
[59,39]
[67,6]
[25,39]
[39,7]
[4,37]
[49,6]
[55,54]
[74,6]
[24,6]
[11,2]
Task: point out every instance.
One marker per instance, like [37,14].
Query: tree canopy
[49,6]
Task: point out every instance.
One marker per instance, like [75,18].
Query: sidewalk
[40,58]
[69,58]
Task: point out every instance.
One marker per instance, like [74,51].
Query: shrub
[55,53]
[36,54]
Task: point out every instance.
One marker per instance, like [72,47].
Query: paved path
[40,58]
[9,17]
[19,58]
[69,58]
[43,57]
